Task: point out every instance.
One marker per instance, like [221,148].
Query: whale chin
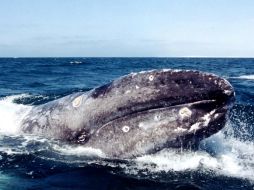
[138,113]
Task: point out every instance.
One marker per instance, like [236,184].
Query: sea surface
[223,161]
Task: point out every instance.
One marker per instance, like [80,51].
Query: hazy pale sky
[150,28]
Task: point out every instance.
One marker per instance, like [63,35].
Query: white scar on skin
[204,123]
[207,117]
[179,129]
[194,127]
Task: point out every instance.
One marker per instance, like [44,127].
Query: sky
[126,28]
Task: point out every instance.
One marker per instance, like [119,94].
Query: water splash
[78,151]
[12,114]
[234,158]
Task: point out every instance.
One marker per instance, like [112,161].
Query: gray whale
[138,114]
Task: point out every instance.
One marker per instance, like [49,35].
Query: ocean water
[223,161]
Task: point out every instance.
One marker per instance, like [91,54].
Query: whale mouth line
[160,108]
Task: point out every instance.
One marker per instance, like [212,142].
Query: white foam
[10,151]
[11,114]
[235,158]
[248,77]
[78,150]
[75,62]
[172,160]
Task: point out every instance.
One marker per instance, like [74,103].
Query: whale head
[149,111]
[138,113]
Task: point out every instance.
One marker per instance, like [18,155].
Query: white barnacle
[125,128]
[185,112]
[157,118]
[227,92]
[137,87]
[127,91]
[151,77]
[216,115]
[141,125]
[77,102]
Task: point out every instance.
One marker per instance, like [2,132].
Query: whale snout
[162,108]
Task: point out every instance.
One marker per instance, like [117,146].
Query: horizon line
[211,57]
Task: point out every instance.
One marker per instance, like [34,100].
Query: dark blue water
[224,161]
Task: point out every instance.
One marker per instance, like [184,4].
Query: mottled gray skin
[138,114]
